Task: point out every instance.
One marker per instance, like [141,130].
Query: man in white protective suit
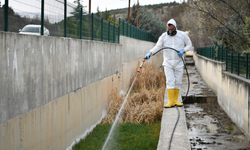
[172,61]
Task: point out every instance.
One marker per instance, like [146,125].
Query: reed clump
[145,103]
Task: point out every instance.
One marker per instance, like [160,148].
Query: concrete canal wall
[233,92]
[55,90]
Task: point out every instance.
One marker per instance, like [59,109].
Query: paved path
[180,139]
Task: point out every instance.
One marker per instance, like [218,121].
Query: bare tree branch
[223,1]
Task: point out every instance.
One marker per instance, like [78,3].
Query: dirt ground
[221,119]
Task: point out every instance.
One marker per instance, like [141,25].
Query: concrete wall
[233,92]
[55,90]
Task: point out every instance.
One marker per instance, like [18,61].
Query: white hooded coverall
[172,62]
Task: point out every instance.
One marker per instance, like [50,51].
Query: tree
[71,27]
[223,21]
[148,21]
[77,10]
[112,20]
[106,14]
[247,32]
[98,14]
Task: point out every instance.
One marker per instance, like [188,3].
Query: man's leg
[170,85]
[178,82]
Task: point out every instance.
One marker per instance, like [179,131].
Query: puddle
[205,131]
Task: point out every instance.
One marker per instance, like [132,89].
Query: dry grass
[145,106]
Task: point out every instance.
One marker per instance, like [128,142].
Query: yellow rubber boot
[176,94]
[171,96]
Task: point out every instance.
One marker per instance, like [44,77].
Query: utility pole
[137,13]
[128,10]
[89,6]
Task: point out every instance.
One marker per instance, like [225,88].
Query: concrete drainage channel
[208,125]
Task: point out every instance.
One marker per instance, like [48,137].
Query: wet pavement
[209,127]
[205,131]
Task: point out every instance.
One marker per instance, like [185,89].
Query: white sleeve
[158,45]
[188,43]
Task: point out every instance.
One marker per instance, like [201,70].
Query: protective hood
[179,41]
[172,21]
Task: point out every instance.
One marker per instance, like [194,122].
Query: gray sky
[114,4]
[54,8]
[26,5]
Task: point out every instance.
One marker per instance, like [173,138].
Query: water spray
[118,115]
[124,102]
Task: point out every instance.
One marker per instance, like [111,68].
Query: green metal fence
[64,19]
[129,30]
[236,63]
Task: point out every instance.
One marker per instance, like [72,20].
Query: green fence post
[231,62]
[208,51]
[65,18]
[205,54]
[134,31]
[102,29]
[238,65]
[137,34]
[119,23]
[247,71]
[42,16]
[131,30]
[114,33]
[6,5]
[81,23]
[226,61]
[140,35]
[108,30]
[123,28]
[92,26]
[222,56]
[211,52]
[143,35]
[119,27]
[127,28]
[129,34]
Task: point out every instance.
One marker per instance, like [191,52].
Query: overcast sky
[26,5]
[114,4]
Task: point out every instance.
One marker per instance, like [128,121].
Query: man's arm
[158,45]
